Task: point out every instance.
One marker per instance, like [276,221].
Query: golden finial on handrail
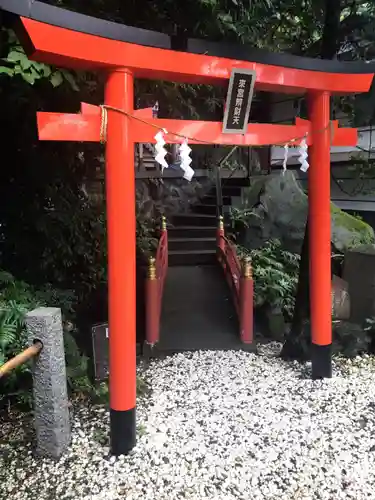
[152,268]
[221,223]
[247,269]
[163,223]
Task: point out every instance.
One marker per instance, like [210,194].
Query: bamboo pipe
[21,358]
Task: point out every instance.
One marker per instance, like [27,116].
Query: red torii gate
[59,37]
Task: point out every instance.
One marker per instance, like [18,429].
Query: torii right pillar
[319,191]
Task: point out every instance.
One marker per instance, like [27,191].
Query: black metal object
[100,345]
[63,18]
[218,185]
[219,193]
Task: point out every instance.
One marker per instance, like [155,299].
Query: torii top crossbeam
[65,38]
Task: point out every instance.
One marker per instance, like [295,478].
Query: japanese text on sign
[238,102]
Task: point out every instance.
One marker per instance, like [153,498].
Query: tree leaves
[56,79]
[18,64]
[70,79]
[16,56]
[275,275]
[6,71]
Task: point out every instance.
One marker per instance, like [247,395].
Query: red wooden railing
[240,281]
[157,272]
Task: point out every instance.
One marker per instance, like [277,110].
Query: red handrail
[240,281]
[232,268]
[157,272]
[162,261]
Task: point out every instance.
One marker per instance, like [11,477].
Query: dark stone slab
[100,335]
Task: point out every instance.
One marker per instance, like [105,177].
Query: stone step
[204,209]
[212,200]
[229,191]
[188,243]
[191,257]
[192,231]
[193,219]
[236,182]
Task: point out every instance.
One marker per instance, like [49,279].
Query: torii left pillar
[121,227]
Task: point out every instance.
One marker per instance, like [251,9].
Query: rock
[169,196]
[348,231]
[340,298]
[278,207]
[271,321]
[359,272]
[349,340]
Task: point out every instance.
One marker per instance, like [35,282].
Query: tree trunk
[331,31]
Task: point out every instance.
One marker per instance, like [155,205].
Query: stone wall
[170,196]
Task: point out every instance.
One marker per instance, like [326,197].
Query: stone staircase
[192,235]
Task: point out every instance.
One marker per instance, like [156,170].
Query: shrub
[275,274]
[16,299]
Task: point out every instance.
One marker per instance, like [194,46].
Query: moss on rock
[349,231]
[279,206]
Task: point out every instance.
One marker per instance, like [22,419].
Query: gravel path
[219,425]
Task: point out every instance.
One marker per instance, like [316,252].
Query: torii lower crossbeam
[86,126]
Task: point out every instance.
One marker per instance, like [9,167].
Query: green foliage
[16,299]
[76,366]
[278,25]
[74,219]
[102,393]
[358,231]
[241,216]
[275,274]
[101,436]
[51,231]
[142,387]
[16,63]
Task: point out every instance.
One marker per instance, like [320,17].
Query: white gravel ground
[219,425]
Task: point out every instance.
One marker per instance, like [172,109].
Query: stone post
[51,409]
